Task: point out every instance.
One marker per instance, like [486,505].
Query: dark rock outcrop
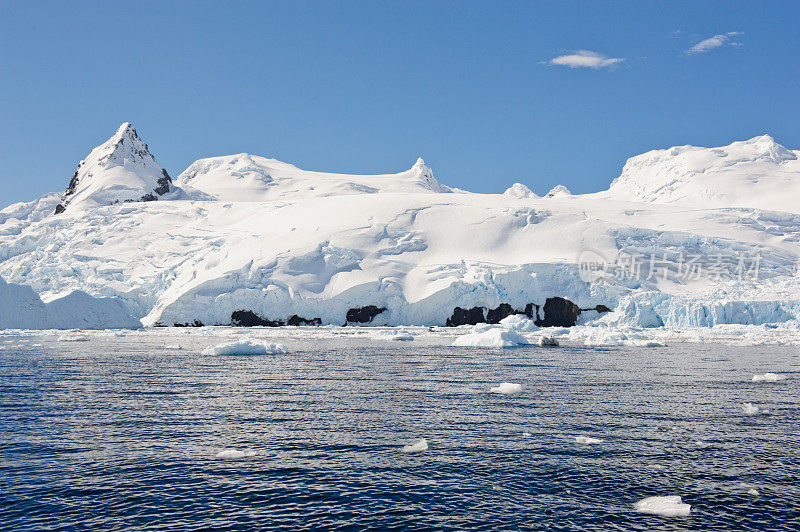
[559,312]
[195,323]
[494,315]
[163,183]
[363,314]
[556,312]
[296,320]
[248,318]
[463,316]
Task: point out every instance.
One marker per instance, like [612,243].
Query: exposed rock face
[194,323]
[120,170]
[248,318]
[556,312]
[296,320]
[503,311]
[472,316]
[559,312]
[363,314]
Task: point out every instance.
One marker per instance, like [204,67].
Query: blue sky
[489,93]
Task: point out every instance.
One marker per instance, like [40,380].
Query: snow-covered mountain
[250,178]
[757,173]
[122,169]
[251,240]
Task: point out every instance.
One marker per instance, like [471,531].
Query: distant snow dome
[248,178]
[558,191]
[122,169]
[518,190]
[757,173]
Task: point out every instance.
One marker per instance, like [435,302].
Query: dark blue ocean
[121,433]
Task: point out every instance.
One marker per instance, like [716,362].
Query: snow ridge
[122,169]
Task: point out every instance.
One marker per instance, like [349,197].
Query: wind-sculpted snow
[282,245]
[247,178]
[757,173]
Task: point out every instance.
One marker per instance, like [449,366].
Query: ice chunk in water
[588,440]
[482,336]
[751,410]
[233,454]
[73,338]
[548,341]
[768,377]
[518,323]
[669,506]
[246,346]
[507,388]
[418,447]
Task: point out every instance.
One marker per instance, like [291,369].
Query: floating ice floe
[751,410]
[548,341]
[519,323]
[246,346]
[769,377]
[507,388]
[527,434]
[233,454]
[393,336]
[669,506]
[73,338]
[753,491]
[587,440]
[488,336]
[419,447]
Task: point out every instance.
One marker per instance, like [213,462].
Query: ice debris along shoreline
[249,240]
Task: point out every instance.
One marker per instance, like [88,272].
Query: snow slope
[249,178]
[21,308]
[758,173]
[263,236]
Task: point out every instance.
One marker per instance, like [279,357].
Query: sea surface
[120,431]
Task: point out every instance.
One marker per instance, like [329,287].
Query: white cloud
[585,59]
[706,45]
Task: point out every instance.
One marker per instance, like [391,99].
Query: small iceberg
[769,377]
[670,506]
[749,409]
[482,336]
[754,492]
[518,323]
[233,454]
[507,388]
[548,341]
[586,440]
[394,336]
[246,346]
[419,447]
[73,338]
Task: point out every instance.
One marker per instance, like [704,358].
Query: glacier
[125,245]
